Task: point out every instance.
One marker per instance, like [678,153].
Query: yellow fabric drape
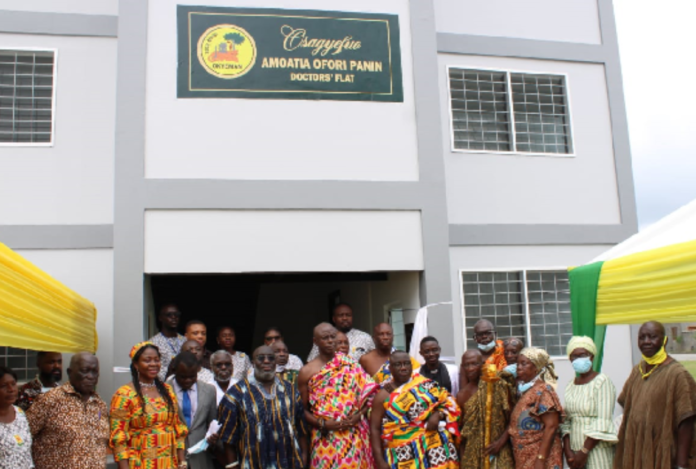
[659,284]
[37,312]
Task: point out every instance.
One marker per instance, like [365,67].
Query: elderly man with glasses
[492,349]
[262,419]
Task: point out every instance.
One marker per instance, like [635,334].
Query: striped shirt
[589,413]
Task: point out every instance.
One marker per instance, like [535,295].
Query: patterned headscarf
[581,341]
[543,363]
[138,346]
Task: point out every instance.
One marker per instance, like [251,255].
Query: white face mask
[487,347]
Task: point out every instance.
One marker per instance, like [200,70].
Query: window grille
[480,115]
[22,362]
[487,105]
[534,305]
[26,96]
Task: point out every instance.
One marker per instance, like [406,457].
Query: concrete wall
[490,188]
[550,20]
[72,181]
[617,359]
[275,139]
[89,7]
[90,273]
[282,241]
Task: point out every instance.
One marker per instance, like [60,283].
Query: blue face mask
[198,447]
[524,387]
[512,369]
[582,365]
[487,347]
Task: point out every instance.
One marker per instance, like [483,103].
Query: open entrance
[294,303]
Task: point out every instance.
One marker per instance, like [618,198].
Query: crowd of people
[356,403]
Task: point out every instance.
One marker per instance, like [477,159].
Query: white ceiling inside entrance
[202,241]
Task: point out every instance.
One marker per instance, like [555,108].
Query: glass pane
[26,84]
[480,115]
[494,296]
[537,99]
[549,310]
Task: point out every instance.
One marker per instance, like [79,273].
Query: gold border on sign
[386,23]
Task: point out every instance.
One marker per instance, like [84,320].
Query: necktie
[187,408]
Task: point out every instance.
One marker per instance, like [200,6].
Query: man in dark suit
[197,406]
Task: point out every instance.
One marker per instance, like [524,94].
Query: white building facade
[506,161]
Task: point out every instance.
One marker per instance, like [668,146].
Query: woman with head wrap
[589,434]
[146,431]
[536,442]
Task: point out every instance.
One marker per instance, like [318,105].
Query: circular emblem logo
[226,51]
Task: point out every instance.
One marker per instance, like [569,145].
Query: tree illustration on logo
[234,40]
[227,51]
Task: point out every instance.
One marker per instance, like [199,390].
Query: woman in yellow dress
[146,432]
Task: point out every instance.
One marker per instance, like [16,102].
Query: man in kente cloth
[659,401]
[336,393]
[416,425]
[262,419]
[376,362]
[472,400]
[492,350]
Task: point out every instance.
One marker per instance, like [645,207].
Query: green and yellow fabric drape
[37,312]
[657,284]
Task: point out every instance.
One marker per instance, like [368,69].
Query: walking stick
[489,376]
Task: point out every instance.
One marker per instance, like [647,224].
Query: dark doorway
[250,303]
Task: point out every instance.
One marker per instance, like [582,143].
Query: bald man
[492,349]
[659,401]
[70,423]
[376,362]
[336,393]
[195,347]
[472,400]
[262,419]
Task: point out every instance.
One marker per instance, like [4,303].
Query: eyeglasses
[484,334]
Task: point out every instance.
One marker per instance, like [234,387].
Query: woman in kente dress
[589,433]
[146,432]
[535,420]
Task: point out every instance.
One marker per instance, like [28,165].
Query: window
[532,304]
[482,120]
[22,362]
[26,97]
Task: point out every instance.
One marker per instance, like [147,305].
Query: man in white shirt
[223,369]
[197,406]
[360,342]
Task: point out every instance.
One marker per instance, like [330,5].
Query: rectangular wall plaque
[288,54]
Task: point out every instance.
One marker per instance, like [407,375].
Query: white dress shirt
[193,395]
[219,393]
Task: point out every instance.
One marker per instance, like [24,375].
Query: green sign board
[288,54]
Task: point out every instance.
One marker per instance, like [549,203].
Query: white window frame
[513,138]
[528,326]
[53,97]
